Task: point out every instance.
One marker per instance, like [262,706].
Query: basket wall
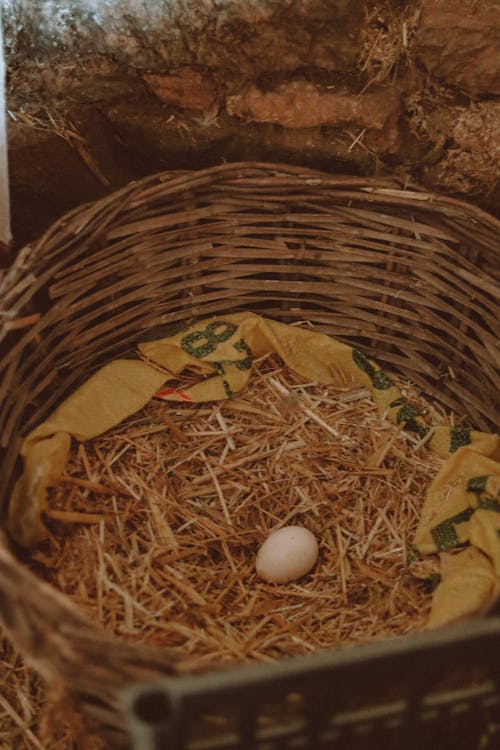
[412,278]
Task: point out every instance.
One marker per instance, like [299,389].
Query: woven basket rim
[391,189]
[16,282]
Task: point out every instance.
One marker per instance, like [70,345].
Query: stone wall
[104,91]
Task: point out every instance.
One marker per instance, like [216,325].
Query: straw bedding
[175,503]
[155,526]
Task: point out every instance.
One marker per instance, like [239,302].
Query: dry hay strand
[170,508]
[54,122]
[387,40]
[74,657]
[33,717]
[156,525]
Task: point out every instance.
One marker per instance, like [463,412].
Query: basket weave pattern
[410,277]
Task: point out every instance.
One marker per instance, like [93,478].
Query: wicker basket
[411,277]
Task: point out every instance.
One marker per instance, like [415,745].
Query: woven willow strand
[411,277]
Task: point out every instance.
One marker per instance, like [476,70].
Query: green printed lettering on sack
[477,484]
[381,381]
[201,343]
[408,415]
[401,401]
[444,534]
[219,369]
[414,554]
[486,502]
[246,362]
[459,436]
[215,333]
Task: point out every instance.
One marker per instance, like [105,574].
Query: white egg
[287,554]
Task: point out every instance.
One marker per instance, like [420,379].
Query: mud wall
[105,91]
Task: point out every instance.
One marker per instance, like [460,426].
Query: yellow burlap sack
[460,518]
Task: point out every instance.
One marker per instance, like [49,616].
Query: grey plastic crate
[434,690]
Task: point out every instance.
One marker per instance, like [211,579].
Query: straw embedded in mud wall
[170,88]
